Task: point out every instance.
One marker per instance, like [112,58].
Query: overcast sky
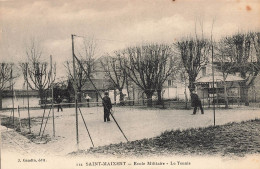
[115,23]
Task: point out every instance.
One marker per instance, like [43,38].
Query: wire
[81,36]
[99,39]
[86,127]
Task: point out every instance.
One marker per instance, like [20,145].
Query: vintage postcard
[130,84]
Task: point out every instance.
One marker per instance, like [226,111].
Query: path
[11,141]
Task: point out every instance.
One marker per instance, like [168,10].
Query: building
[172,89]
[19,98]
[208,94]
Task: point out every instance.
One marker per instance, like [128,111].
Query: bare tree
[37,73]
[244,49]
[86,55]
[193,54]
[256,41]
[81,76]
[148,66]
[168,68]
[114,69]
[225,61]
[6,78]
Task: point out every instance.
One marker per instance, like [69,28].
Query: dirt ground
[135,123]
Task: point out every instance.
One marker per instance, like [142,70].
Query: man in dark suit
[107,106]
[59,100]
[196,102]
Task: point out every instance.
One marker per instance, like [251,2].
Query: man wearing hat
[196,102]
[107,106]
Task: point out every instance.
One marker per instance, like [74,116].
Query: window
[169,82]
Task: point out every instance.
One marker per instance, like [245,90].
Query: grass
[231,139]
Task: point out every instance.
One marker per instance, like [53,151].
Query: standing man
[59,100]
[196,102]
[107,106]
[87,98]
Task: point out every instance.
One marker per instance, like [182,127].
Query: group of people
[195,102]
[106,102]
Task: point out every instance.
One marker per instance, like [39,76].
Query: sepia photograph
[171,84]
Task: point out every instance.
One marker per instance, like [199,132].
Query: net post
[75,91]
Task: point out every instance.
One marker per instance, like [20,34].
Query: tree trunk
[79,95]
[1,98]
[191,84]
[42,96]
[244,93]
[186,97]
[121,97]
[246,96]
[128,93]
[159,94]
[149,98]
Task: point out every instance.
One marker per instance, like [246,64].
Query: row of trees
[239,53]
[148,66]
[38,74]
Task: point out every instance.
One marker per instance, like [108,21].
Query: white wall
[176,92]
[22,102]
[111,95]
[168,93]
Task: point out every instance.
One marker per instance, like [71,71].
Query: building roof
[20,93]
[218,78]
[100,84]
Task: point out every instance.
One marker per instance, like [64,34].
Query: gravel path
[11,141]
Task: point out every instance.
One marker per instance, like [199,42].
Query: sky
[115,24]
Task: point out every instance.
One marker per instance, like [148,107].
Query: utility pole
[28,108]
[75,90]
[213,86]
[12,87]
[212,67]
[52,98]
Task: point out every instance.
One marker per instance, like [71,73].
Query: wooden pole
[133,95]
[42,117]
[214,111]
[75,91]
[28,106]
[12,86]
[53,122]
[46,122]
[203,96]
[20,124]
[212,58]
